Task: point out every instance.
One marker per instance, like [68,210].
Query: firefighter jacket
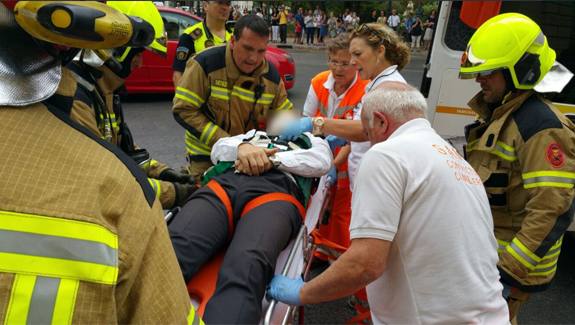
[215,100]
[194,40]
[524,152]
[82,237]
[95,108]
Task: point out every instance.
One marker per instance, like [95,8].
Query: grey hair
[400,104]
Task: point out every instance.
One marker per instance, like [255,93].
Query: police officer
[97,103]
[82,237]
[523,149]
[212,31]
[228,90]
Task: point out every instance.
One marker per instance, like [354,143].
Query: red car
[155,75]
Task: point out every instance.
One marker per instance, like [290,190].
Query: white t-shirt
[358,149]
[393,21]
[312,103]
[417,192]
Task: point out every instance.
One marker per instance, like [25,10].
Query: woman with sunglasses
[378,54]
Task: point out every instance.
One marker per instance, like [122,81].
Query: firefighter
[253,204]
[228,90]
[334,94]
[523,149]
[100,76]
[212,31]
[82,235]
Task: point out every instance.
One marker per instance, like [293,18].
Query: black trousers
[283,33]
[200,231]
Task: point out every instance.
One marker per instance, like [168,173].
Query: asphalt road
[154,128]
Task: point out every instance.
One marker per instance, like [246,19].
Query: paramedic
[523,148]
[378,54]
[334,93]
[423,209]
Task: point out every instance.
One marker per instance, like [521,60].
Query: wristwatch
[318,123]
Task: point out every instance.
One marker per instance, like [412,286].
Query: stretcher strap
[223,196]
[271,197]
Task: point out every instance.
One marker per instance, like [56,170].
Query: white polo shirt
[359,148]
[417,192]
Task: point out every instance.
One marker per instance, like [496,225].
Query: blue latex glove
[332,175]
[285,290]
[506,291]
[295,128]
[335,142]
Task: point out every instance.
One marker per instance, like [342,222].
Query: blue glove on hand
[294,129]
[506,291]
[285,290]
[332,175]
[335,142]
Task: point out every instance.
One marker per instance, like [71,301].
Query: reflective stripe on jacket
[525,156]
[214,99]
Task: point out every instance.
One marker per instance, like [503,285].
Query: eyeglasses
[338,64]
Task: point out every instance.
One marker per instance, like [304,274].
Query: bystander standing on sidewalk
[393,20]
[382,19]
[299,26]
[283,20]
[309,27]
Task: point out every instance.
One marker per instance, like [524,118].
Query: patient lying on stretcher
[253,204]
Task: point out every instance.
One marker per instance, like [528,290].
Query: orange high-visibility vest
[337,230]
[350,100]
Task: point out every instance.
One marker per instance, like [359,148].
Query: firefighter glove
[183,193]
[170,175]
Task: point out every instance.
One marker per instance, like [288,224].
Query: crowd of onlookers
[314,26]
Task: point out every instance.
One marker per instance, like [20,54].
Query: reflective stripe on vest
[350,100]
[49,257]
[156,186]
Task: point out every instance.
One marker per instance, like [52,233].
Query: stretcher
[293,261]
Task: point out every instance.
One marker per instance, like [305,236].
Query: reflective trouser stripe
[194,318]
[156,186]
[41,300]
[225,199]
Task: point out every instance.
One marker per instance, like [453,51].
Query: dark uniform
[215,99]
[194,40]
[524,152]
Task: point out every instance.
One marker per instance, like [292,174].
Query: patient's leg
[249,263]
[198,231]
